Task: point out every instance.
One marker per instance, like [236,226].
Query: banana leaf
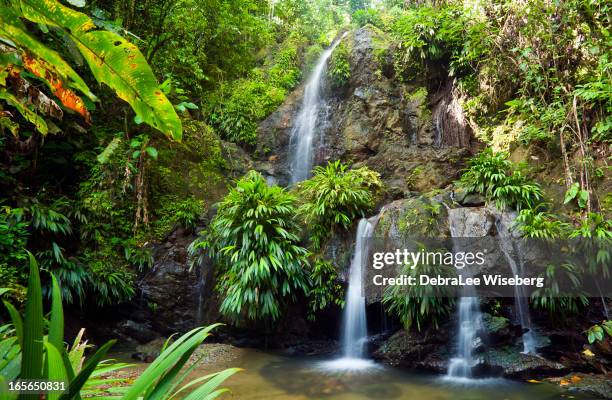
[112,60]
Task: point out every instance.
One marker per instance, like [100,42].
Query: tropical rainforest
[148,190]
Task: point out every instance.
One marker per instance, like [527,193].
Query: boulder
[426,351]
[598,385]
[511,363]
[149,351]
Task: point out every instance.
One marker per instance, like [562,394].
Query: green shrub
[420,305]
[539,224]
[174,212]
[13,239]
[552,300]
[248,102]
[594,226]
[367,16]
[339,66]
[335,196]
[325,288]
[237,107]
[285,71]
[493,175]
[253,239]
[31,353]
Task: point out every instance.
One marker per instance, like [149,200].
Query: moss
[421,217]
[495,324]
[192,168]
[417,97]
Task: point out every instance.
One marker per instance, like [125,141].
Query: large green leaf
[25,111]
[113,61]
[17,321]
[77,383]
[13,29]
[167,361]
[56,325]
[56,368]
[209,391]
[32,351]
[10,358]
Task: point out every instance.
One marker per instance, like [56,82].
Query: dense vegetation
[123,122]
[89,206]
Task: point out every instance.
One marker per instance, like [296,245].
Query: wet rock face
[430,351]
[426,351]
[273,136]
[170,297]
[387,124]
[170,289]
[379,121]
[511,363]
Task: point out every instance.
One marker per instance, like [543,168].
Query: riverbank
[273,375]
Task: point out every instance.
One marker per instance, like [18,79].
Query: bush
[539,224]
[325,287]
[340,68]
[248,102]
[493,175]
[175,212]
[237,108]
[260,262]
[335,196]
[552,300]
[367,16]
[13,240]
[420,305]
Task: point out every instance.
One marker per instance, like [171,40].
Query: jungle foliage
[33,348]
[91,206]
[334,197]
[91,91]
[254,239]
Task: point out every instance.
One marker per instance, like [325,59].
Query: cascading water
[470,322]
[354,329]
[303,133]
[520,298]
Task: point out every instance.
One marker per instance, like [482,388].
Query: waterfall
[302,139]
[438,129]
[520,298]
[354,326]
[469,323]
[355,329]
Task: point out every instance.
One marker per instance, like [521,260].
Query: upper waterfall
[308,120]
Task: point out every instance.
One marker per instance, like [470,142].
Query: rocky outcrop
[511,363]
[171,290]
[426,351]
[379,121]
[171,296]
[594,385]
[430,351]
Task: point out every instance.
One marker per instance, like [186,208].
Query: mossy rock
[495,324]
[424,216]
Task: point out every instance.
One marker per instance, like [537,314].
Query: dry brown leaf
[68,97]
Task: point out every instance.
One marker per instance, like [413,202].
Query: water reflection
[307,379]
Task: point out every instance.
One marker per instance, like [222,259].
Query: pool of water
[272,376]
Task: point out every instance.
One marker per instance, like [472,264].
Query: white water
[520,298]
[354,328]
[302,139]
[469,323]
[461,365]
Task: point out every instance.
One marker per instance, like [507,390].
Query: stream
[269,375]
